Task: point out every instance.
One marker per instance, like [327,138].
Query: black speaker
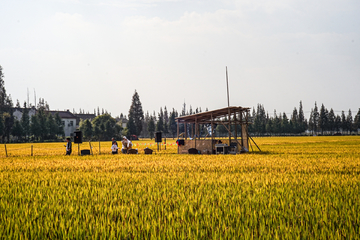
[78,137]
[158,137]
[85,152]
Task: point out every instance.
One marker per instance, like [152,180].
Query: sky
[85,54]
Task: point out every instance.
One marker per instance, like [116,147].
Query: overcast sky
[95,53]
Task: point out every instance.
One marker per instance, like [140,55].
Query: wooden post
[90,148]
[185,129]
[212,134]
[178,128]
[195,131]
[6,150]
[99,148]
[229,127]
[241,135]
[235,128]
[32,150]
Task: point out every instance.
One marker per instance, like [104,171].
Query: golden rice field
[296,188]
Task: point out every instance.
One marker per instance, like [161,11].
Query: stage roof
[211,115]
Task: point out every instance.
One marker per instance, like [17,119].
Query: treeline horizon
[45,127]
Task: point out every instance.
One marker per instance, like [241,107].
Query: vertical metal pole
[212,134]
[178,128]
[227,84]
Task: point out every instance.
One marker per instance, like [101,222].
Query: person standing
[68,146]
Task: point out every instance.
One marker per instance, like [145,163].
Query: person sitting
[126,145]
[114,142]
[114,148]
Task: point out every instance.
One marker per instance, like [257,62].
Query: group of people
[126,146]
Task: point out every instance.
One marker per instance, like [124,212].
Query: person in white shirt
[126,145]
[114,148]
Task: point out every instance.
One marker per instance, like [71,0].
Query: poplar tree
[323,119]
[172,123]
[357,120]
[151,127]
[349,121]
[25,121]
[331,121]
[136,113]
[301,119]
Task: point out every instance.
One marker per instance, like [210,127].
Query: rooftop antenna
[35,97]
[227,84]
[28,97]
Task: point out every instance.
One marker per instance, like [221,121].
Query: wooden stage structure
[238,117]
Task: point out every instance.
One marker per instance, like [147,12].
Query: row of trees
[45,126]
[324,122]
[40,127]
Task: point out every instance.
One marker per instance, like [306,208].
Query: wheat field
[295,188]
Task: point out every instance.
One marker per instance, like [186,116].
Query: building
[68,121]
[18,112]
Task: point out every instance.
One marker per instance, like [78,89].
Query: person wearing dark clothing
[68,146]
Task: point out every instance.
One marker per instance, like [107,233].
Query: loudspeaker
[158,137]
[78,137]
[85,152]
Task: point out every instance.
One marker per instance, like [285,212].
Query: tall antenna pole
[35,97]
[28,97]
[227,84]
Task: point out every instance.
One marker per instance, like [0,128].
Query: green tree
[301,119]
[337,123]
[42,117]
[60,126]
[136,113]
[172,123]
[105,127]
[151,127]
[160,122]
[294,122]
[17,130]
[323,119]
[86,128]
[35,127]
[8,124]
[357,121]
[344,125]
[331,121]
[2,127]
[51,126]
[349,122]
[285,124]
[166,121]
[25,122]
[131,127]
